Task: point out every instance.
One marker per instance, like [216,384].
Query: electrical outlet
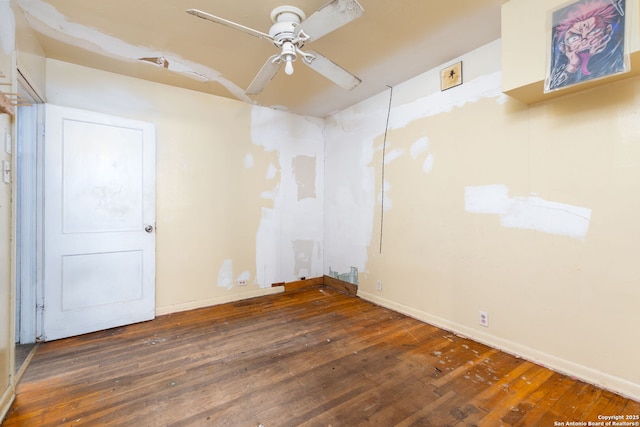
[380,285]
[484,319]
[242,282]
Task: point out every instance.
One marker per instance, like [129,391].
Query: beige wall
[526,212]
[227,205]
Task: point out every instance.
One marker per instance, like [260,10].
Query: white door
[99,222]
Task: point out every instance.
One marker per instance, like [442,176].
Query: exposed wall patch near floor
[528,212]
[351,276]
[225,275]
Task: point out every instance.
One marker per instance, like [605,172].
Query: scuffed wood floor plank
[309,357]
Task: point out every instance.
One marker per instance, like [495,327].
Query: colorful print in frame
[587,42]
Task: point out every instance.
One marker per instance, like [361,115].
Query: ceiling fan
[290,31]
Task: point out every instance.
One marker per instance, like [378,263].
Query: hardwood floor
[309,357]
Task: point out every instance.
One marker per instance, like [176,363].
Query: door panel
[99,262]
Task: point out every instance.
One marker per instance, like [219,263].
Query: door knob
[148,228]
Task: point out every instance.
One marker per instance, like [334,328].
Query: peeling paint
[47,20]
[530,213]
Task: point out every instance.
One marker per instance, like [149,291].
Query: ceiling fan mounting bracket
[285,21]
[287,14]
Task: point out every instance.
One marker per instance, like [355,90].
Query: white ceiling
[392,42]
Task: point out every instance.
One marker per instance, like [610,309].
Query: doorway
[29,130]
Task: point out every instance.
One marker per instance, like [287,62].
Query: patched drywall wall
[289,244]
[474,202]
[230,219]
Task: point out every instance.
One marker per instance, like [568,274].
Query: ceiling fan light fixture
[288,69]
[289,56]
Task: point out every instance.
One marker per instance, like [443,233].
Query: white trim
[27,131]
[606,381]
[192,305]
[6,400]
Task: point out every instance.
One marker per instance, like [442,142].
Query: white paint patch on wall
[385,197]
[268,195]
[248,161]
[427,166]
[393,155]
[225,274]
[419,147]
[290,235]
[350,176]
[483,87]
[272,171]
[7,28]
[46,19]
[530,213]
[245,276]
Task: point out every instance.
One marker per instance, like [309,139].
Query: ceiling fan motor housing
[285,20]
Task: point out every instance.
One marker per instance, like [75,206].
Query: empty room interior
[253,213]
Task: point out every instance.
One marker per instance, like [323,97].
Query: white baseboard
[192,305]
[615,384]
[5,401]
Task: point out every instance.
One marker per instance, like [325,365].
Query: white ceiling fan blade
[217,19]
[332,71]
[264,76]
[330,17]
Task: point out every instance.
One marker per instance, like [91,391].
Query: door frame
[29,203]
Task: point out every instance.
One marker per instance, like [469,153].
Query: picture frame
[587,41]
[451,76]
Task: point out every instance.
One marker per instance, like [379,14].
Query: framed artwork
[587,42]
[451,76]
